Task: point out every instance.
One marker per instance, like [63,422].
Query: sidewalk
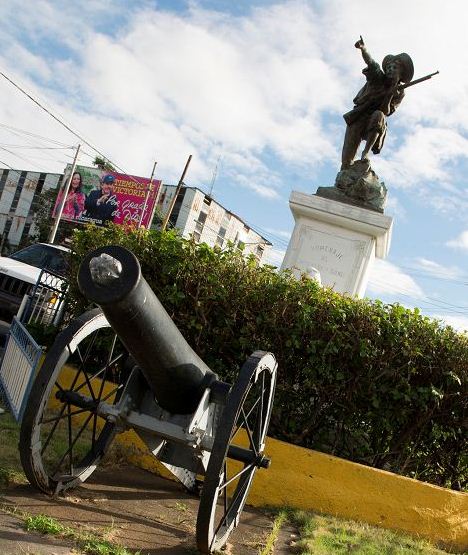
[127,506]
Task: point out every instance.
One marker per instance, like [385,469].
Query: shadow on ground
[134,508]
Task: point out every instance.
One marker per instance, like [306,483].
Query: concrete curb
[306,479]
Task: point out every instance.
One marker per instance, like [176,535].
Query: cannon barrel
[111,277]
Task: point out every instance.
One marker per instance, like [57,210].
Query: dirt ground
[130,507]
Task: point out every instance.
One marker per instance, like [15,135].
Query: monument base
[340,240]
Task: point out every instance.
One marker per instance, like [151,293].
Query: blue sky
[260,86]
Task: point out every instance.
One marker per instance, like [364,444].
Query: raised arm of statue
[365,53]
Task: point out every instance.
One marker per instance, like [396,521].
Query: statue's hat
[406,64]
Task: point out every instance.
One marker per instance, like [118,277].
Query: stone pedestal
[339,240]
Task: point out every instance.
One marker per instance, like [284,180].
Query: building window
[7,228]
[259,251]
[199,225]
[38,191]
[40,183]
[19,188]
[3,181]
[24,235]
[177,207]
[220,237]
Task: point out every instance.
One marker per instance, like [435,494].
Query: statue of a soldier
[378,99]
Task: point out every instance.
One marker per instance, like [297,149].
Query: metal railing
[45,304]
[18,367]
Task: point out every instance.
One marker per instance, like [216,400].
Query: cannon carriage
[125,365]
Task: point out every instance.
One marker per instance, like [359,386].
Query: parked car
[20,271]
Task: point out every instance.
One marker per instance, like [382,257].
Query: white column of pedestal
[339,240]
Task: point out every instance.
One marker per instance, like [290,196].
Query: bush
[376,384]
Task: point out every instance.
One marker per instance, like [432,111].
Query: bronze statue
[378,99]
[356,182]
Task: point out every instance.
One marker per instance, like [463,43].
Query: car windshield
[43,256]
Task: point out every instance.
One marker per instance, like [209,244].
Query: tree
[103,164]
[43,219]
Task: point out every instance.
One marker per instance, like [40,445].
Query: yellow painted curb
[306,479]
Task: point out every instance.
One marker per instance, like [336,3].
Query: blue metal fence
[19,364]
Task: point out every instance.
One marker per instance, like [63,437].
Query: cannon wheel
[62,438]
[248,407]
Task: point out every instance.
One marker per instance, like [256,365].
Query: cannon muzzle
[111,277]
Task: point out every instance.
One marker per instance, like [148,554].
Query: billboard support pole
[148,192]
[58,214]
[155,204]
[178,188]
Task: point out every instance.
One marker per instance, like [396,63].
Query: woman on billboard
[75,201]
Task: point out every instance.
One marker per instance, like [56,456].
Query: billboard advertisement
[100,196]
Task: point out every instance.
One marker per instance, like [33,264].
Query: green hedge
[376,384]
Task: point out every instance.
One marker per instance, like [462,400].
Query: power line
[17,131]
[33,139]
[439,304]
[61,122]
[37,147]
[429,274]
[17,155]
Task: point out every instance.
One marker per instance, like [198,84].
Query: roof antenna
[214,176]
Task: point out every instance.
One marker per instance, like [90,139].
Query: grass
[87,542]
[318,534]
[269,545]
[326,535]
[11,474]
[10,466]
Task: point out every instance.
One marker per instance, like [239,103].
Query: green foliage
[44,524]
[43,214]
[43,334]
[377,384]
[322,534]
[88,542]
[103,164]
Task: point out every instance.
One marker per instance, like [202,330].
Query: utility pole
[58,214]
[179,186]
[148,192]
[155,205]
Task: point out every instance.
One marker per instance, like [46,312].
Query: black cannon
[126,365]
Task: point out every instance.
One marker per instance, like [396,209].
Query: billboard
[99,196]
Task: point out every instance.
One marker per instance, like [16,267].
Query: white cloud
[426,155]
[196,83]
[386,279]
[28,62]
[460,242]
[144,83]
[274,257]
[460,323]
[438,270]
[279,233]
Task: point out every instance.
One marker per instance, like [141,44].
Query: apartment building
[195,214]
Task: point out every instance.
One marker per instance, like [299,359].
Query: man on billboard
[101,203]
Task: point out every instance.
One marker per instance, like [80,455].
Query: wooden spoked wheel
[242,429]
[62,435]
